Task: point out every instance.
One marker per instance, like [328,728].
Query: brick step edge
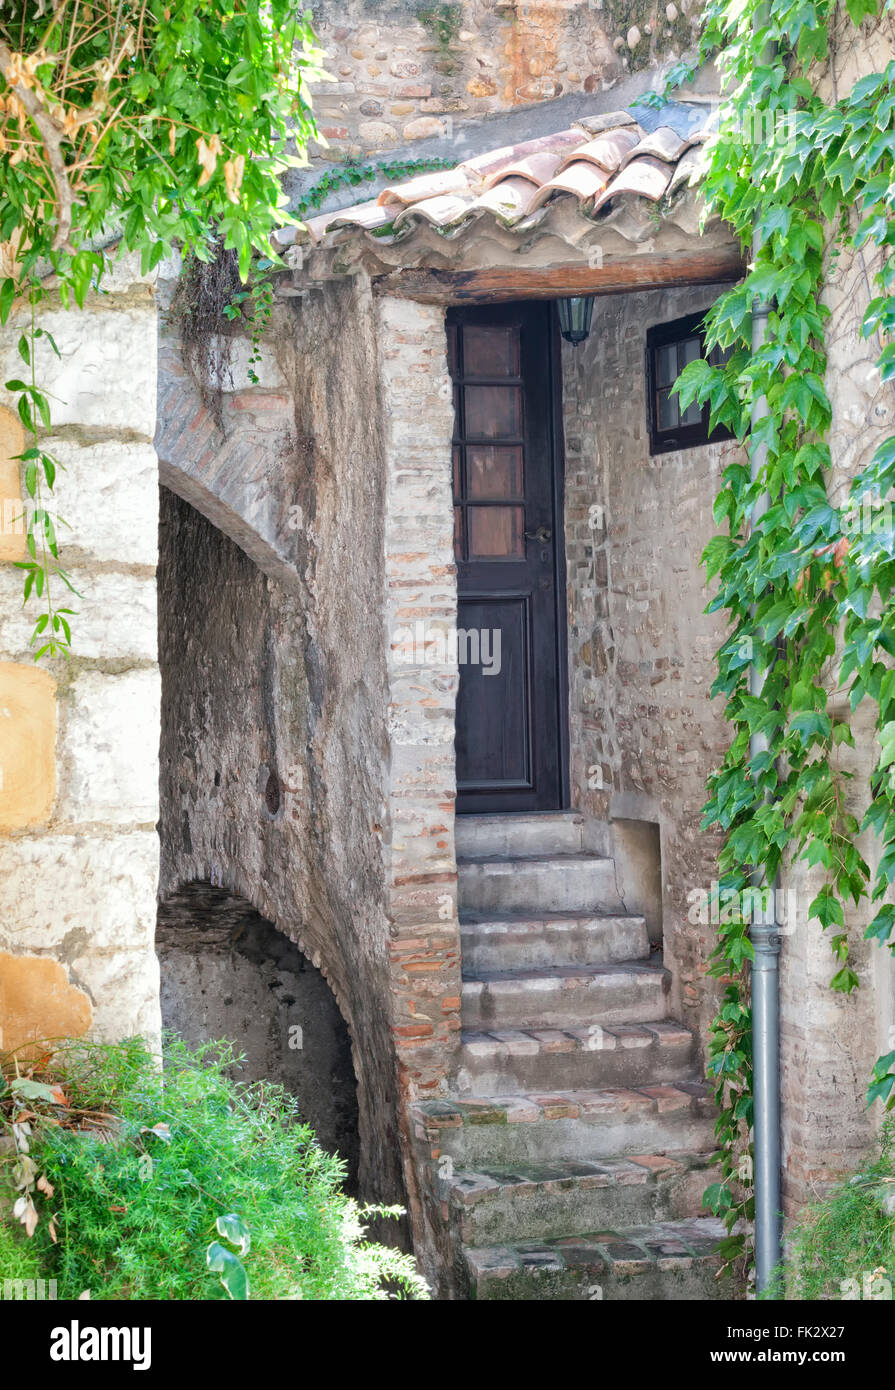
[666,1247]
[468,1188]
[616,1037]
[431,1116]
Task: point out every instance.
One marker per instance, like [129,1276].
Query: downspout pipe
[764,932]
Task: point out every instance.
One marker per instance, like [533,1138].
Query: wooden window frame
[684,436]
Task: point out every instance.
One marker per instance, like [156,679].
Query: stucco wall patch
[37,1001]
[27,745]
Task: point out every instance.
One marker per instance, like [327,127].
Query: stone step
[511,943]
[580,883]
[566,996]
[514,837]
[666,1118]
[544,1201]
[668,1260]
[514,1061]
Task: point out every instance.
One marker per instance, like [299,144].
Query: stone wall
[409,71]
[644,733]
[274,698]
[79,746]
[830,1041]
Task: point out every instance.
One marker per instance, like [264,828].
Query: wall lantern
[574,317]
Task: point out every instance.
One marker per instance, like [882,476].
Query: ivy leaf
[811,726]
[827,908]
[7,296]
[883,1080]
[859,10]
[880,929]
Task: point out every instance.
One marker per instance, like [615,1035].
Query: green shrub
[844,1246]
[148,1169]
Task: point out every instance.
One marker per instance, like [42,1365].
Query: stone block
[124,989]
[105,376]
[62,892]
[27,745]
[115,617]
[108,494]
[109,749]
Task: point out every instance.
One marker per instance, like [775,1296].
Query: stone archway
[263,797]
[226,972]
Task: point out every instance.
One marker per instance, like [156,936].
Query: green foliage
[184,1184]
[445,21]
[844,1246]
[800,179]
[164,122]
[352,174]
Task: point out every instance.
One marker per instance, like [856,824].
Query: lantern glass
[574,317]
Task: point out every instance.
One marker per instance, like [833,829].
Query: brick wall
[421,588]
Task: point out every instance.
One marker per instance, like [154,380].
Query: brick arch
[238,470]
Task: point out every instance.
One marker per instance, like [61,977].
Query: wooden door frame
[556,444]
[560,578]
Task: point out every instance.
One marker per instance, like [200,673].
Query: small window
[669,347]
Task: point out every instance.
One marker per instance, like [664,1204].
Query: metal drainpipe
[765,936]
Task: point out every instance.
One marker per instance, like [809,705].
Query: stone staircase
[571,1162]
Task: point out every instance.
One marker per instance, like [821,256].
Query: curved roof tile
[600,159]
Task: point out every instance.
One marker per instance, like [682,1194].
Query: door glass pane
[493,412]
[495,532]
[493,471]
[456,475]
[490,350]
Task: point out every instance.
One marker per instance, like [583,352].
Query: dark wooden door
[510,740]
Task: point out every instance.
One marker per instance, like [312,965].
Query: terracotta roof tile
[583,180]
[427,186]
[370,216]
[537,168]
[609,150]
[646,176]
[689,164]
[508,200]
[610,120]
[483,165]
[441,211]
[664,143]
[601,158]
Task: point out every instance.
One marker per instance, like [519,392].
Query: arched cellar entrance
[226,972]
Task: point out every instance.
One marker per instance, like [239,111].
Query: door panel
[510,741]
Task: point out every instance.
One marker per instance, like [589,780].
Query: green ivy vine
[154,123]
[803,174]
[351,174]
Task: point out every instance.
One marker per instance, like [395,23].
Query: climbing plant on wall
[805,174]
[161,122]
